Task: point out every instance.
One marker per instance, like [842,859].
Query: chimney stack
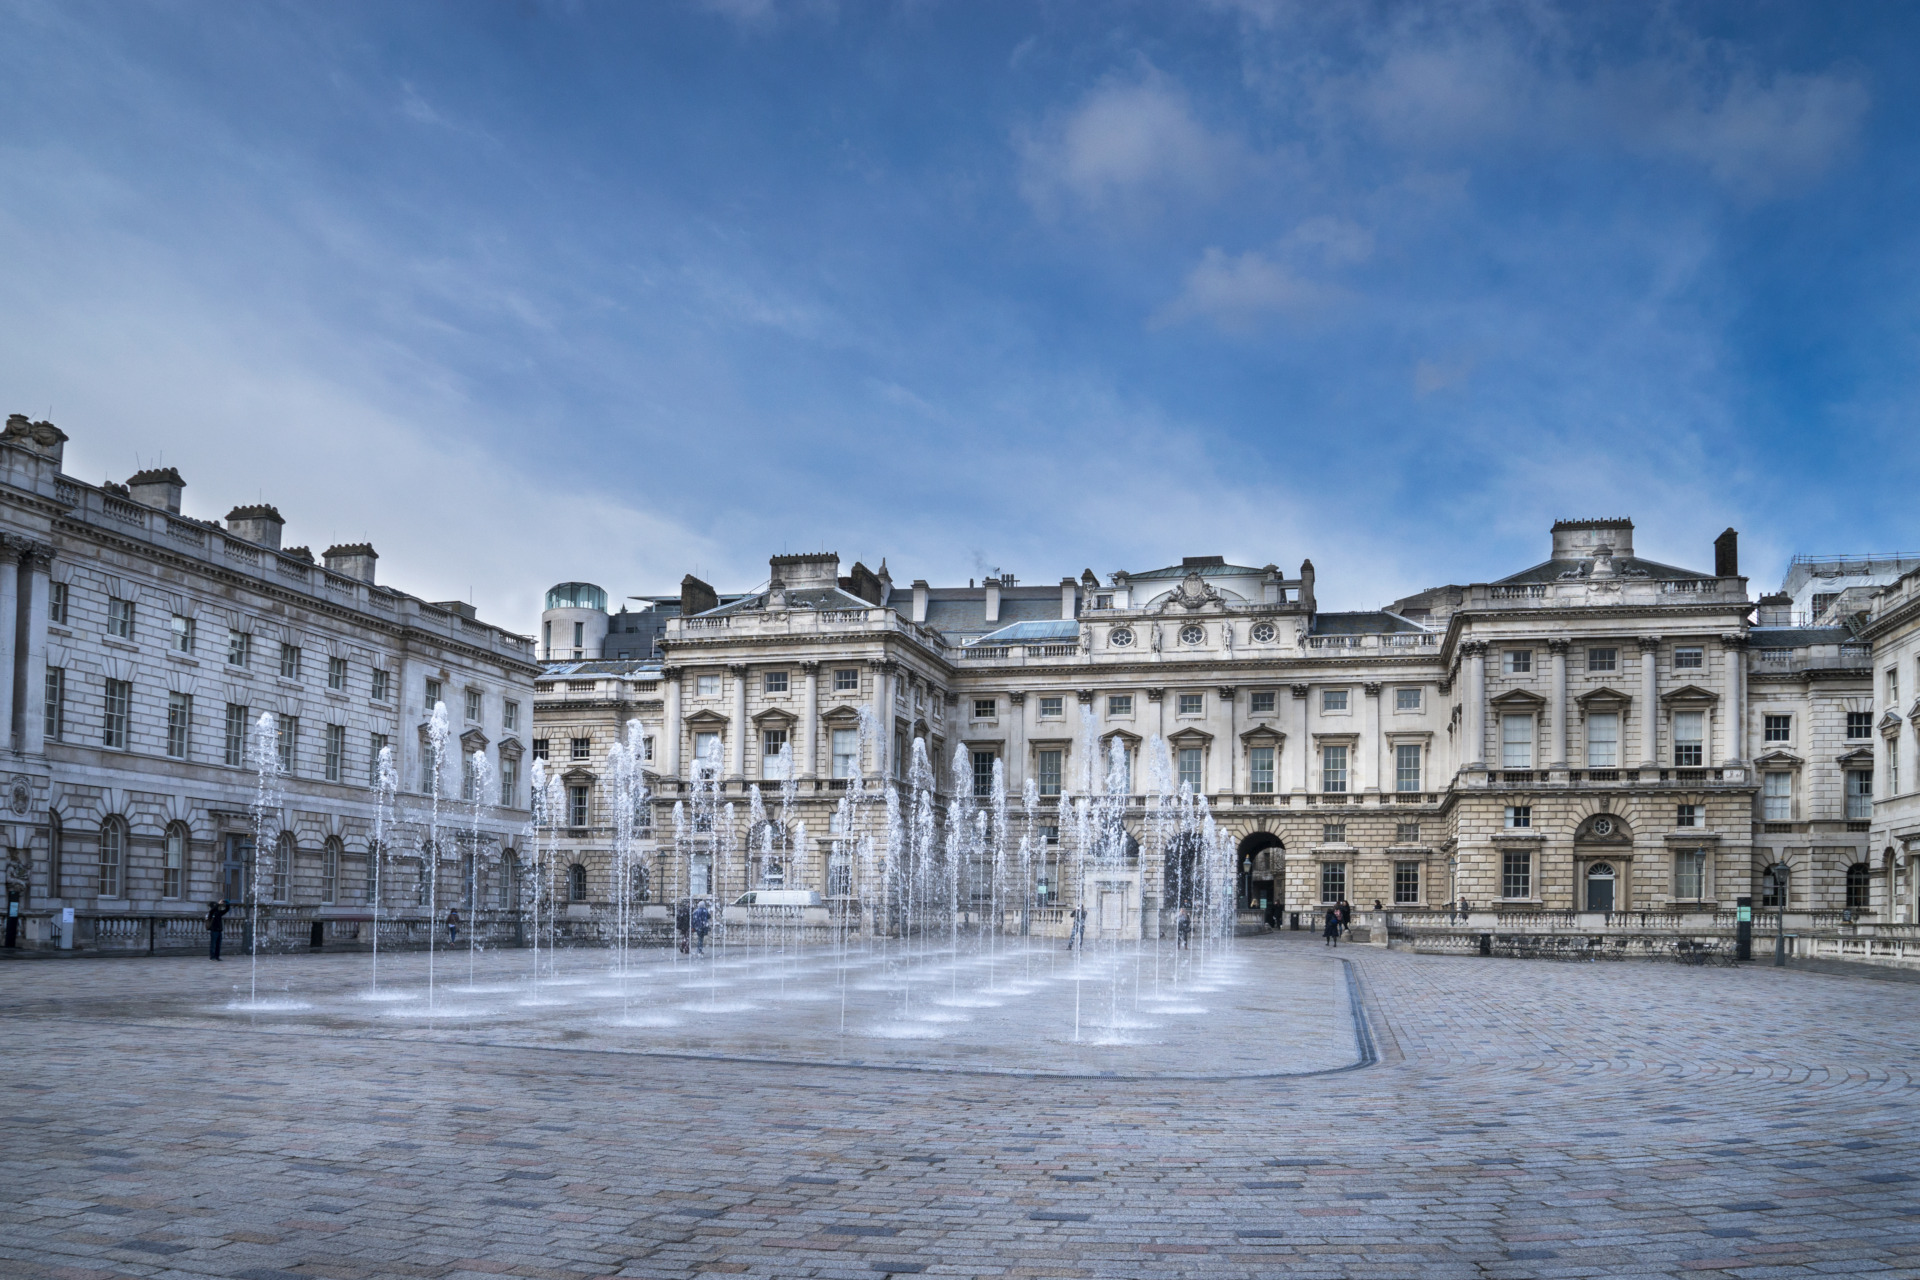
[1067,611]
[1726,555]
[919,599]
[261,524]
[696,597]
[352,560]
[993,599]
[157,488]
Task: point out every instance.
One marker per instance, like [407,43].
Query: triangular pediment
[1263,733]
[1518,700]
[707,720]
[1778,759]
[1890,722]
[1856,757]
[1190,738]
[1603,699]
[841,712]
[473,740]
[1689,693]
[775,716]
[1131,739]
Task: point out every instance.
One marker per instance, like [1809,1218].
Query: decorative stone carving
[1192,593]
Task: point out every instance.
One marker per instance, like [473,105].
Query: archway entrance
[1261,875]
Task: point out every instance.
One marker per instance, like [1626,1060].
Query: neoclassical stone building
[1596,732]
[142,646]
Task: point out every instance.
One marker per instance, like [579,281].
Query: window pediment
[473,740]
[707,720]
[579,774]
[1518,702]
[1261,735]
[1131,740]
[841,712]
[1190,738]
[1890,723]
[1408,736]
[510,748]
[1858,757]
[1689,695]
[1604,699]
[1778,760]
[1335,739]
[775,716]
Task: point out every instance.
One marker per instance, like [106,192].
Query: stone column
[1369,753]
[1474,708]
[737,725]
[670,677]
[31,601]
[1230,776]
[12,685]
[1158,697]
[810,722]
[1649,702]
[1557,748]
[1302,743]
[882,715]
[1016,761]
[1733,697]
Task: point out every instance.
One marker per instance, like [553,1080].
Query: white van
[789,898]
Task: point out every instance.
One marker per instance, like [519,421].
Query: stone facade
[142,644]
[1892,627]
[1582,734]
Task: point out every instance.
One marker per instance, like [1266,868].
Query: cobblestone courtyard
[1504,1118]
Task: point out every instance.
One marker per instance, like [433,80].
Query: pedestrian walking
[453,924]
[682,923]
[702,925]
[1331,930]
[1183,927]
[1078,936]
[216,923]
[1345,909]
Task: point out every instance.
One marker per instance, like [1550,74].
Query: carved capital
[1372,690]
[35,556]
[1085,695]
[1155,695]
[672,674]
[738,670]
[1018,697]
[1473,648]
[1227,692]
[1444,688]
[1300,691]
[1559,645]
[1647,644]
[811,667]
[1733,640]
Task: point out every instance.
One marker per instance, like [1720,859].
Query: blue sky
[528,292]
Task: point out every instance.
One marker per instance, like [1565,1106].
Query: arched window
[773,875]
[113,857]
[330,870]
[283,853]
[510,880]
[1859,887]
[642,883]
[173,877]
[839,874]
[576,883]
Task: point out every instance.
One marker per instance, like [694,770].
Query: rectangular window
[1333,699]
[509,716]
[57,604]
[1519,815]
[1859,795]
[582,748]
[1406,766]
[381,680]
[1051,707]
[174,866]
[336,673]
[431,698]
[1686,815]
[1333,833]
[1333,881]
[1690,874]
[577,806]
[1603,740]
[1516,742]
[1689,658]
[179,724]
[182,632]
[982,774]
[1776,797]
[290,662]
[469,777]
[1893,766]
[773,743]
[1516,662]
[1859,724]
[56,723]
[1689,739]
[706,753]
[1049,773]
[1261,702]
[846,679]
[1260,770]
[287,739]
[1516,873]
[114,708]
[1103,602]
[983,708]
[510,790]
[1333,768]
[1190,704]
[773,682]
[706,686]
[1192,769]
[846,752]
[336,751]
[1406,699]
[236,733]
[1603,659]
[1777,728]
[1406,884]
[540,749]
[473,706]
[1406,833]
[376,743]
[120,618]
[1120,704]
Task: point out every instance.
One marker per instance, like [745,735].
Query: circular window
[1263,632]
[1192,633]
[1603,826]
[1120,637]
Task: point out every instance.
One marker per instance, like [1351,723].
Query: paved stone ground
[1525,1119]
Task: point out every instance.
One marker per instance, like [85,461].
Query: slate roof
[1364,623]
[1028,632]
[1797,637]
[598,667]
[797,598]
[1623,566]
[962,611]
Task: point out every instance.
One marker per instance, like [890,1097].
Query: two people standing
[1339,919]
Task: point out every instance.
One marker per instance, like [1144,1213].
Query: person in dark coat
[1345,909]
[453,924]
[682,922]
[702,920]
[216,923]
[1331,931]
[1078,936]
[1183,927]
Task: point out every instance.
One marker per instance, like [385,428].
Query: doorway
[1600,886]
